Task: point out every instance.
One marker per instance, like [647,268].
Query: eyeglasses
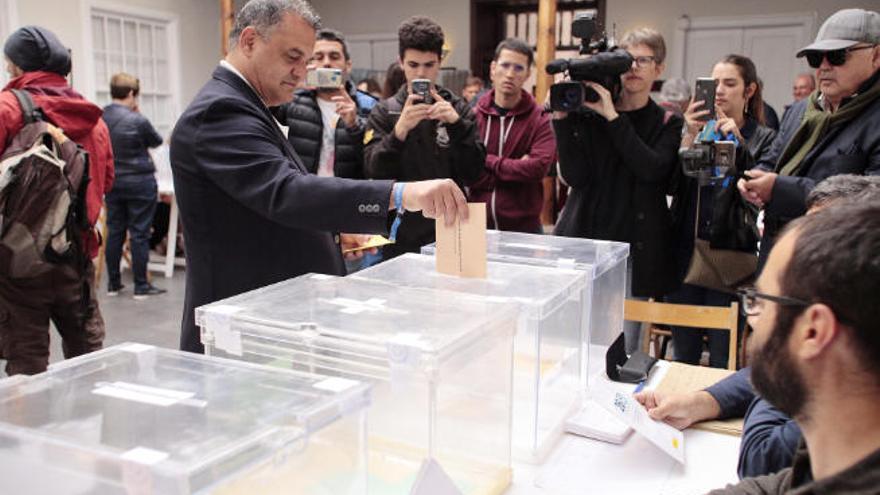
[835,57]
[643,61]
[750,301]
[507,66]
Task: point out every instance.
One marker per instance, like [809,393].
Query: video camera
[711,157]
[604,66]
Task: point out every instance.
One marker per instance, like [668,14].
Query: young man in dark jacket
[409,139]
[836,130]
[326,126]
[520,146]
[38,64]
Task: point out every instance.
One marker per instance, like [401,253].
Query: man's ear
[816,330]
[247,40]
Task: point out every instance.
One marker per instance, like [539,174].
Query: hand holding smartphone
[705,91]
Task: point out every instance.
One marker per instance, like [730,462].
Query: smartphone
[324,78]
[705,91]
[422,87]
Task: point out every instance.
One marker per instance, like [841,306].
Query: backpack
[42,197]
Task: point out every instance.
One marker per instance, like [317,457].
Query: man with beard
[770,437]
[816,349]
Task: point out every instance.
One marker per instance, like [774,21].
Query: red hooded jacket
[79,119]
[511,185]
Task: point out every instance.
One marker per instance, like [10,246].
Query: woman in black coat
[739,111]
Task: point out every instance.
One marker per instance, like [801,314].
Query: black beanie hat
[34,48]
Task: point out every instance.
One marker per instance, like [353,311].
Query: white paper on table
[624,406]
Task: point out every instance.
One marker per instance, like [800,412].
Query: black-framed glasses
[835,57]
[644,60]
[750,301]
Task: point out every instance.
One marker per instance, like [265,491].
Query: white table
[165,181]
[579,465]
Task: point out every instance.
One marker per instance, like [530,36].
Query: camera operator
[739,109]
[618,158]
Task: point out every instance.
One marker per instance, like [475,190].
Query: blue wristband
[398,202]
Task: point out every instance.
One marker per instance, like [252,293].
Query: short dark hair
[422,34]
[264,15]
[842,186]
[473,81]
[835,262]
[334,35]
[515,45]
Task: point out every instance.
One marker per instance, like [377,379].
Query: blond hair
[648,37]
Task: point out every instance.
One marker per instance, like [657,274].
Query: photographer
[618,157]
[410,139]
[739,109]
[327,124]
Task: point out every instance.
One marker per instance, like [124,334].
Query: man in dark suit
[252,213]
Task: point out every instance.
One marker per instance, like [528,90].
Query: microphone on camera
[557,66]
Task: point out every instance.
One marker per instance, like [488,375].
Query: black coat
[427,153]
[303,116]
[252,213]
[758,141]
[849,148]
[619,173]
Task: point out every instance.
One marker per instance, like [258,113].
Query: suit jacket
[252,213]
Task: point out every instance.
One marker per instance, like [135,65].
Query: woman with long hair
[739,109]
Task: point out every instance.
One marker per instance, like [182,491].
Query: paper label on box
[321,276]
[162,397]
[354,306]
[137,348]
[218,320]
[625,407]
[335,384]
[145,456]
[565,263]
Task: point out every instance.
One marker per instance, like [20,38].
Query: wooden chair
[684,315]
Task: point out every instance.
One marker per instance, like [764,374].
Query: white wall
[664,15]
[384,16]
[199,34]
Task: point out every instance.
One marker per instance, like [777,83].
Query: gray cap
[844,29]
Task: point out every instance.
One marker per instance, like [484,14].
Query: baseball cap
[844,29]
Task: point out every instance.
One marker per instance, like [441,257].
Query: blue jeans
[130,207]
[688,342]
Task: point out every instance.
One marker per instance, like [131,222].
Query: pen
[640,386]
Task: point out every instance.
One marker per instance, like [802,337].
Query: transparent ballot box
[440,363]
[135,419]
[547,346]
[603,261]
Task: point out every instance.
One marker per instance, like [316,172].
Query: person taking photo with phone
[738,111]
[422,132]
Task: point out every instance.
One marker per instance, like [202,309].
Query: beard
[775,375]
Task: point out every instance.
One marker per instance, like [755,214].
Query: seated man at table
[770,437]
[816,315]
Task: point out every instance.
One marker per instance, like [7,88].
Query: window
[140,46]
[8,24]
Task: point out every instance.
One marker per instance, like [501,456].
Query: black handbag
[734,220]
